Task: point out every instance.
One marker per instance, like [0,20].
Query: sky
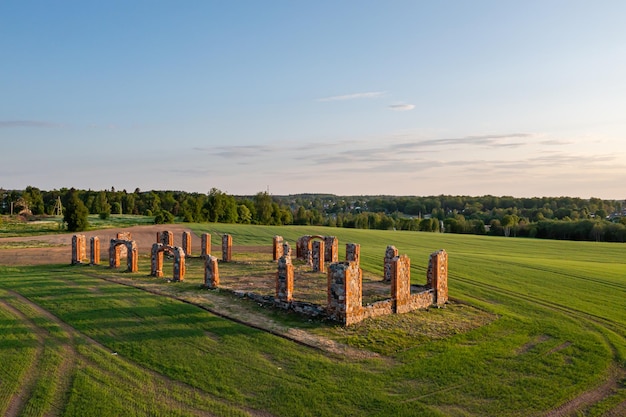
[345,97]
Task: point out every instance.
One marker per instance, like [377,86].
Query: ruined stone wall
[211,272]
[390,253]
[94,250]
[317,256]
[156,261]
[401,283]
[353,253]
[284,280]
[227,248]
[277,247]
[187,243]
[79,249]
[132,254]
[205,245]
[345,289]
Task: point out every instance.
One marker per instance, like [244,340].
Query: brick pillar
[205,245]
[438,266]
[317,256]
[79,251]
[353,253]
[133,257]
[211,272]
[122,248]
[114,254]
[303,250]
[166,237]
[94,249]
[179,264]
[345,291]
[156,260]
[286,249]
[401,283]
[390,253]
[227,248]
[187,243]
[331,249]
[284,280]
[277,247]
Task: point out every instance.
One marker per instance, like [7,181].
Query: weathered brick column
[401,283]
[438,276]
[165,237]
[277,247]
[286,249]
[133,256]
[390,253]
[114,254]
[94,250]
[187,243]
[79,249]
[317,256]
[345,288]
[179,264]
[211,272]
[205,245]
[227,248]
[284,280]
[156,260]
[353,253]
[331,249]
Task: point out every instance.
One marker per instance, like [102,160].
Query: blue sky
[345,97]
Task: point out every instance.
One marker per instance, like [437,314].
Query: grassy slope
[562,322]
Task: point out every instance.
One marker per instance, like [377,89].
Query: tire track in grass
[29,380]
[158,378]
[616,372]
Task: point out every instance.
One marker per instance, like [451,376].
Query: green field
[556,332]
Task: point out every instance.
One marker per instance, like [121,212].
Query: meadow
[533,325]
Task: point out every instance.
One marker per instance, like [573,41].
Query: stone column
[331,249]
[317,256]
[133,256]
[284,280]
[438,266]
[277,247]
[205,245]
[353,253]
[179,264]
[211,272]
[94,246]
[79,250]
[156,260]
[401,283]
[114,254]
[187,243]
[227,248]
[166,237]
[345,292]
[390,253]
[286,249]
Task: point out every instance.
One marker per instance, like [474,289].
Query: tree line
[540,217]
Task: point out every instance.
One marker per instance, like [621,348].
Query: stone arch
[115,251]
[156,260]
[304,248]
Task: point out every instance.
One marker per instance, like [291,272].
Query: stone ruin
[353,252]
[211,272]
[156,261]
[390,253]
[277,247]
[330,249]
[94,246]
[79,251]
[165,238]
[115,251]
[187,243]
[227,248]
[205,245]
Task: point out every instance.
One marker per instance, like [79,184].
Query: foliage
[75,215]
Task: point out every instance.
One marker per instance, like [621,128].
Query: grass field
[548,324]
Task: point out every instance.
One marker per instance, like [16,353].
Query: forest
[568,218]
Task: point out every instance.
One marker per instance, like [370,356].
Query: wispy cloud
[402,107]
[28,123]
[355,96]
[234,152]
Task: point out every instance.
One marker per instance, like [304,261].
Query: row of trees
[541,217]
